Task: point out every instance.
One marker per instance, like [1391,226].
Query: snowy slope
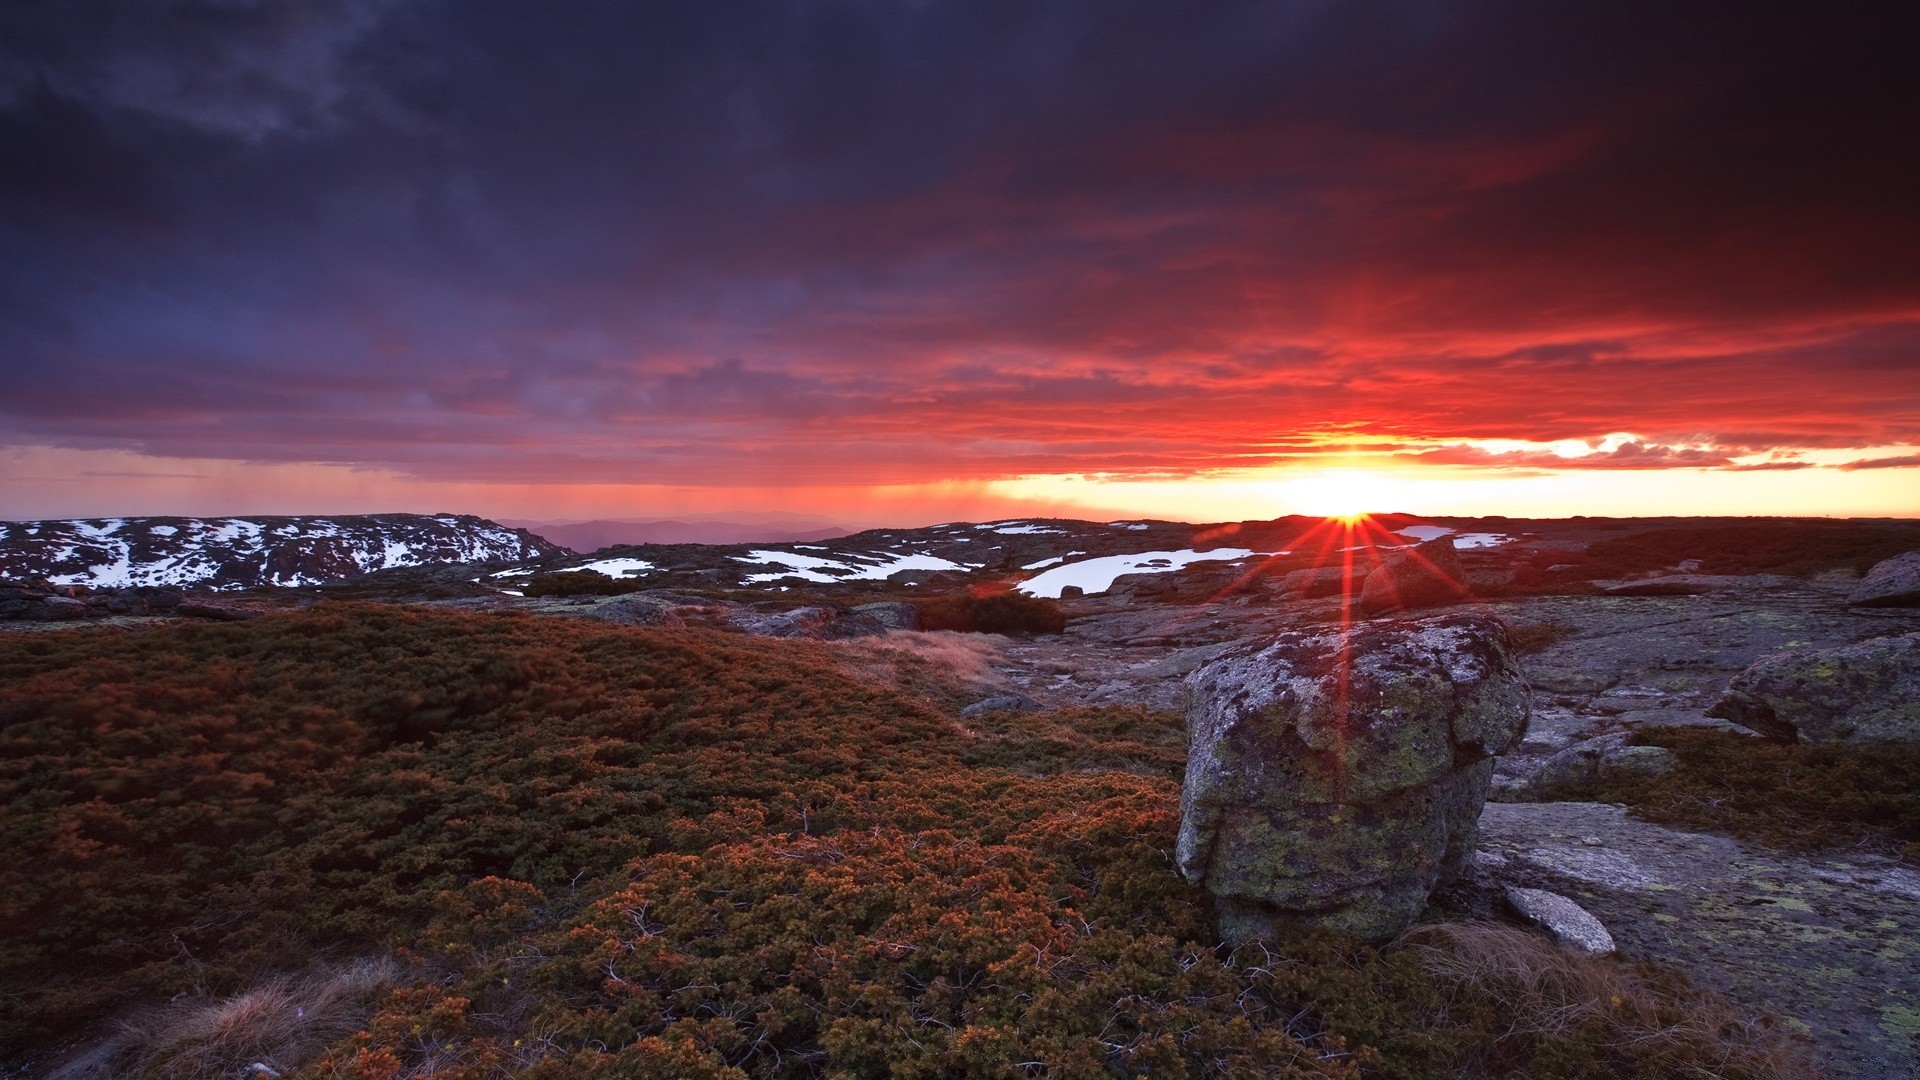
[234,553]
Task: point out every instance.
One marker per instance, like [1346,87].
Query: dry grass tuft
[1554,992]
[267,1030]
[937,664]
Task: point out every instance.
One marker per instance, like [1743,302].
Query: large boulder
[1865,692]
[1424,575]
[1334,778]
[1892,582]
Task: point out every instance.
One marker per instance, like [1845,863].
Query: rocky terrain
[1616,628]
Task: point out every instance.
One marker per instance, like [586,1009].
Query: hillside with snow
[233,553]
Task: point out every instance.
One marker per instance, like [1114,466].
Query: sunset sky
[902,262]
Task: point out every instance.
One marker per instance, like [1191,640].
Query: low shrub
[999,613]
[1762,547]
[578,583]
[1795,796]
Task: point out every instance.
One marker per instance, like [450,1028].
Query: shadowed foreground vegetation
[498,845]
[1796,548]
[1794,796]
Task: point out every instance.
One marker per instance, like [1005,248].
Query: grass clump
[595,851]
[1794,796]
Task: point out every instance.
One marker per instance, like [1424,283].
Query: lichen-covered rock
[1865,692]
[1425,575]
[1001,703]
[1602,758]
[1892,582]
[1335,777]
[808,622]
[893,614]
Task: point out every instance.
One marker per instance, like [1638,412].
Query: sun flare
[1347,495]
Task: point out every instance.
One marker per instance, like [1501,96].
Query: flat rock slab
[1565,921]
[1833,943]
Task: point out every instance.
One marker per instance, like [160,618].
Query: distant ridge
[587,537]
[246,552]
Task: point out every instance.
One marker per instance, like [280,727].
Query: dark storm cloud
[487,240]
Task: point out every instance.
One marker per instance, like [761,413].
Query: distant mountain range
[586,537]
[252,551]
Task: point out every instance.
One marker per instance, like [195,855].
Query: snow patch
[1097,575]
[827,571]
[1423,533]
[614,568]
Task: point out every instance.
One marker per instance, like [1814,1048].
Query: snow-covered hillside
[234,553]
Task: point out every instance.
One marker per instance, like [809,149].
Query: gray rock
[893,614]
[1001,703]
[1695,584]
[641,609]
[1604,758]
[1566,922]
[62,607]
[1864,692]
[1892,582]
[1828,940]
[1425,575]
[1334,779]
[809,622]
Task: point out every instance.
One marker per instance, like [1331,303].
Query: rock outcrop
[893,614]
[1425,575]
[1892,582]
[1865,692]
[1334,779]
[1602,758]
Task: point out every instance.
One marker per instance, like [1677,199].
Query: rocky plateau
[1613,627]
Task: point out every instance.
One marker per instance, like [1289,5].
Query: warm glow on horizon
[1346,494]
[46,482]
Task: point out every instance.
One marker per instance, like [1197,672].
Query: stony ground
[1831,945]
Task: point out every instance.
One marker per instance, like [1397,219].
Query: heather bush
[599,851]
[578,583]
[996,613]
[1760,547]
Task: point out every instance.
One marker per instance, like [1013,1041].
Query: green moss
[1902,1021]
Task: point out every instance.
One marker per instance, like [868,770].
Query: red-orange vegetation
[597,852]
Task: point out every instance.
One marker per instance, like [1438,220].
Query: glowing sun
[1346,494]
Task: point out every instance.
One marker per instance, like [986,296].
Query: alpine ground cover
[585,850]
[1795,796]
